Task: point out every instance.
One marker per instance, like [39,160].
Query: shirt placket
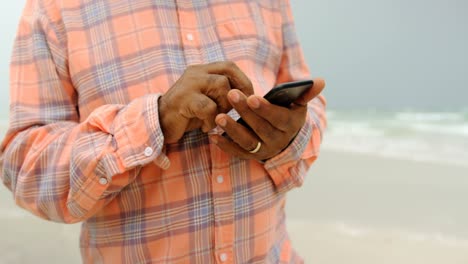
[189,32]
[223,208]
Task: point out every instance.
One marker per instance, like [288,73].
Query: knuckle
[186,112]
[218,84]
[221,81]
[202,103]
[211,79]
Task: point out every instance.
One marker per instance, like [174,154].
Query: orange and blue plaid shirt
[85,145]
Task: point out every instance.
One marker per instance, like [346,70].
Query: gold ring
[259,145]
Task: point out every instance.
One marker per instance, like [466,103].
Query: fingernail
[234,95]
[214,140]
[222,122]
[254,102]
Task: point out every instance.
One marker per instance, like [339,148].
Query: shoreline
[366,190]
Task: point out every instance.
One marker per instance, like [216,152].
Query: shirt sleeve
[289,168]
[58,167]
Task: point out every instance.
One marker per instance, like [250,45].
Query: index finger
[237,78]
[279,117]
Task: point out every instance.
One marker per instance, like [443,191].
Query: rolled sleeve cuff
[279,166]
[137,141]
[142,140]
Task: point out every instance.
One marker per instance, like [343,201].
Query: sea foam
[420,136]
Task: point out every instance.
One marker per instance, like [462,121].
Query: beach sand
[353,208]
[365,209]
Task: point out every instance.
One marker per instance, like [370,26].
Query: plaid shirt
[84,142]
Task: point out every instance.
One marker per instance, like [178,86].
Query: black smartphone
[285,94]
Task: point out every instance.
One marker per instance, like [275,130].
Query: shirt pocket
[255,47]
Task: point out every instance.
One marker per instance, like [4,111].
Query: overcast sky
[388,54]
[384,54]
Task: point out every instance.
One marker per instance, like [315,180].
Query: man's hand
[273,127]
[198,96]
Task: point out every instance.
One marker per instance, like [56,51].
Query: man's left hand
[272,127]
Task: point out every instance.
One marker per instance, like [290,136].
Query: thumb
[316,89]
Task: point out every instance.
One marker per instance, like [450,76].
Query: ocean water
[440,137]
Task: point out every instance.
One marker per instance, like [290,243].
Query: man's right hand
[198,96]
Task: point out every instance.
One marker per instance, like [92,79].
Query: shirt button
[148,151]
[220,179]
[103,181]
[190,37]
[223,257]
